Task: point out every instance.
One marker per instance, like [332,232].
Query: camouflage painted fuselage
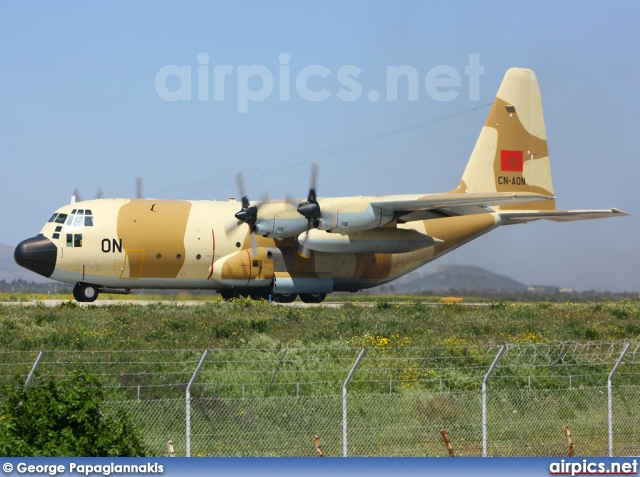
[141,243]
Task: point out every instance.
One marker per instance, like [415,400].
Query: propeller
[76,196]
[100,192]
[310,210]
[248,214]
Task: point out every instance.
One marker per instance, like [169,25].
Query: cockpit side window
[60,218]
[53,217]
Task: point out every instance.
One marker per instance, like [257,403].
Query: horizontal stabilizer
[522,216]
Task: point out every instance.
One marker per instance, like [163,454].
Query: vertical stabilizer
[511,153]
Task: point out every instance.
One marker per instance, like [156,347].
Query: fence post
[344,402]
[33,369]
[567,433]
[484,401]
[447,442]
[188,399]
[316,440]
[609,392]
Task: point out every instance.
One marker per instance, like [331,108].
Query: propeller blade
[232,226]
[311,209]
[76,196]
[241,188]
[254,244]
[138,187]
[291,201]
[303,250]
[100,193]
[314,181]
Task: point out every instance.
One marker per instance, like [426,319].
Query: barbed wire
[297,362]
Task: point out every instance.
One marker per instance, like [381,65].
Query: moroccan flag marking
[511,160]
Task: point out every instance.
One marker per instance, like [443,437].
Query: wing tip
[618,211]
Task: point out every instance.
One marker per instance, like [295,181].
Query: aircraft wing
[444,205]
[522,216]
[436,201]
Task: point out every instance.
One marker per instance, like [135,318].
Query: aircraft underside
[280,287]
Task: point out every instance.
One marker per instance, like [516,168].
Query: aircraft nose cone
[37,254]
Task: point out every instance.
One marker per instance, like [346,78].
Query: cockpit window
[60,218]
[78,218]
[53,217]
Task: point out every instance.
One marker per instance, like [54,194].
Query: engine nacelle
[344,221]
[383,240]
[279,228]
[279,223]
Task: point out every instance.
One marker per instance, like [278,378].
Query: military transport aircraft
[317,246]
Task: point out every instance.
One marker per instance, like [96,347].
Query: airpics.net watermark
[314,83]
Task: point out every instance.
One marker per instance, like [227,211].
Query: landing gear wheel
[313,297]
[228,294]
[284,297]
[259,296]
[85,293]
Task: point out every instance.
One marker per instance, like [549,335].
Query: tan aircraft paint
[456,231]
[199,244]
[152,235]
[515,123]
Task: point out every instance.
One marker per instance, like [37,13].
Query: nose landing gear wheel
[85,293]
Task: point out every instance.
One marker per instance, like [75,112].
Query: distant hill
[10,270]
[456,277]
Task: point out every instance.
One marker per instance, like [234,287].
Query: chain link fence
[273,401]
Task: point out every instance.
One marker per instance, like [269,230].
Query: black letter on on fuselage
[112,245]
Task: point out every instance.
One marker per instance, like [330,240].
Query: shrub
[64,418]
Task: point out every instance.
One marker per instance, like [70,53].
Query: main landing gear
[277,297]
[85,293]
[313,297]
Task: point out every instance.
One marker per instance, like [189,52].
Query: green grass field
[274,373]
[218,324]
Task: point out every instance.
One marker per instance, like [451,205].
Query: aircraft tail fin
[511,153]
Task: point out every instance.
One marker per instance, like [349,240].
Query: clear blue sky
[79,107]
